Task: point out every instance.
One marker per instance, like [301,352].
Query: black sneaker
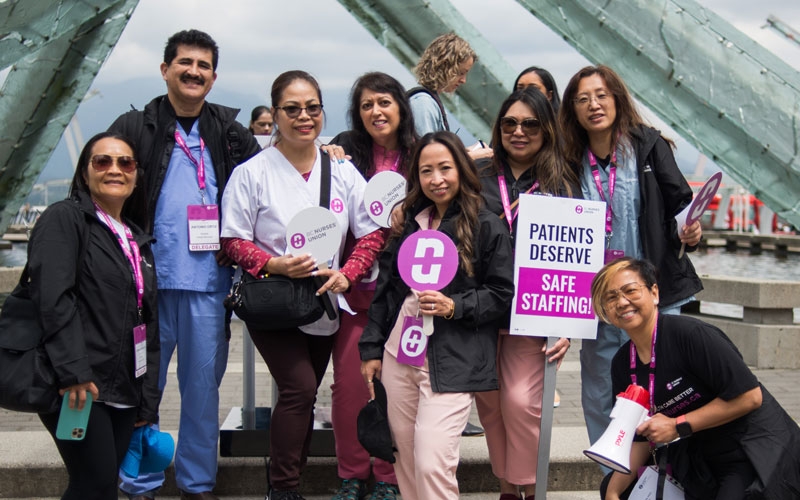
[285,495]
[471,430]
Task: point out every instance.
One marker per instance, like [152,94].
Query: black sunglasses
[530,126]
[101,163]
[293,111]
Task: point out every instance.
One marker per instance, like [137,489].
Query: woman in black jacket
[429,402]
[627,164]
[93,281]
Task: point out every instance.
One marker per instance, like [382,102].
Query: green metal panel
[406,27]
[734,100]
[57,49]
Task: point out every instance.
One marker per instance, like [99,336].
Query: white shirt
[266,192]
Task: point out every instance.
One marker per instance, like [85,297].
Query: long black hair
[362,141]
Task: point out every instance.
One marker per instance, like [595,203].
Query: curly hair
[439,64]
[468,198]
[548,164]
[362,141]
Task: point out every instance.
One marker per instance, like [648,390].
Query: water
[719,262]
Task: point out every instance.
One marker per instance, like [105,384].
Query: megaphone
[613,449]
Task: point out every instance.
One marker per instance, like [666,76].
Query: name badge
[140,350]
[613,255]
[203,227]
[413,342]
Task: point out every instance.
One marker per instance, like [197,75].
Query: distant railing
[758,315]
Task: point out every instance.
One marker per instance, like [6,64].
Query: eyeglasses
[530,126]
[584,100]
[293,111]
[101,163]
[631,291]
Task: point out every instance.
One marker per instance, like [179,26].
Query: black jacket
[664,193]
[84,289]
[153,133]
[461,351]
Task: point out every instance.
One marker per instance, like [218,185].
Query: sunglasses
[101,163]
[530,126]
[293,111]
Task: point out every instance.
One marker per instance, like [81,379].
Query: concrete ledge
[31,467]
[762,346]
[749,292]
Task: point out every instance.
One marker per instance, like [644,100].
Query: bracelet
[452,309]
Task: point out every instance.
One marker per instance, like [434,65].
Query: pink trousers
[512,415]
[426,429]
[349,394]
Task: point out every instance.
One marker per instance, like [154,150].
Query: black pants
[297,362]
[93,463]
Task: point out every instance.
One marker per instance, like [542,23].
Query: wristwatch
[683,427]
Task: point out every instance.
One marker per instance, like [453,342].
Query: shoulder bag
[28,381]
[277,302]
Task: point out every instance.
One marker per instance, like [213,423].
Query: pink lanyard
[612,180]
[652,384]
[201,166]
[134,258]
[501,181]
[430,218]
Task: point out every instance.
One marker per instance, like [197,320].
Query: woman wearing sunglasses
[93,281]
[381,139]
[629,165]
[261,198]
[527,159]
[736,442]
[429,397]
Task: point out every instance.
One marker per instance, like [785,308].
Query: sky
[259,39]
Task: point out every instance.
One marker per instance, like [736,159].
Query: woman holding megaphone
[734,441]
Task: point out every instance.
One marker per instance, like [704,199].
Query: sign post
[559,248]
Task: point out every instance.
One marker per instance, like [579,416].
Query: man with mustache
[188,148]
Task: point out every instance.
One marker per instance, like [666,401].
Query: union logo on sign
[413,341]
[376,208]
[298,240]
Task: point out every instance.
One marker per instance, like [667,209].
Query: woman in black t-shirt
[736,441]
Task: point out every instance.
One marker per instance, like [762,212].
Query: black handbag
[277,302]
[28,381]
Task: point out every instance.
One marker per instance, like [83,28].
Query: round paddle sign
[427,260]
[703,198]
[315,231]
[383,192]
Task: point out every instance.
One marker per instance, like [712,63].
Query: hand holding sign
[694,211]
[383,192]
[427,260]
[315,231]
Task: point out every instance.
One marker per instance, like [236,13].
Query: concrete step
[30,467]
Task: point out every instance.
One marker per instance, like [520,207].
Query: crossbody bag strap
[325,202]
[662,474]
[325,181]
